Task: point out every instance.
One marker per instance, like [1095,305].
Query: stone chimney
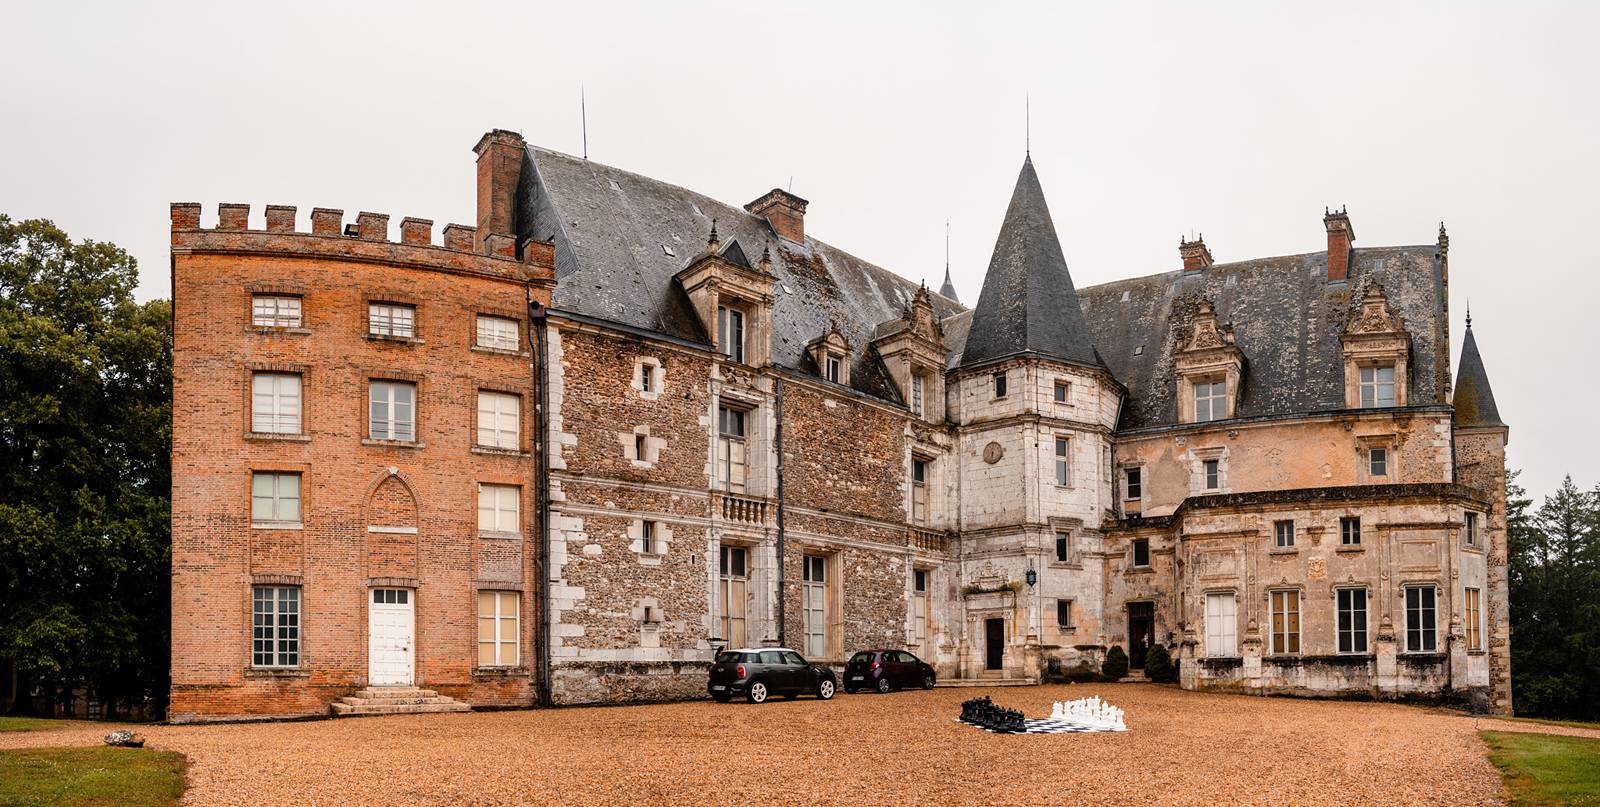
[1340,236]
[500,155]
[1195,254]
[784,211]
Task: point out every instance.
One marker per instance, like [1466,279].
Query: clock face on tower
[993,452]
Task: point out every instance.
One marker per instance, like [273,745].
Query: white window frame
[1283,534]
[1471,527]
[647,537]
[1420,638]
[1285,627]
[733,582]
[276,403]
[275,499]
[499,509]
[399,421]
[1210,400]
[834,368]
[497,333]
[1063,460]
[504,610]
[919,490]
[499,420]
[1351,639]
[918,391]
[730,332]
[276,311]
[1061,392]
[1211,473]
[1378,386]
[814,605]
[1133,490]
[1378,461]
[920,607]
[733,448]
[275,627]
[1222,624]
[1350,527]
[398,320]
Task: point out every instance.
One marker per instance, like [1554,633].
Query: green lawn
[30,724]
[1575,724]
[135,777]
[1546,769]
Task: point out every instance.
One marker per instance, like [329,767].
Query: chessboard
[1049,725]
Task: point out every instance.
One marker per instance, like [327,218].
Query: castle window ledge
[1139,570]
[1286,550]
[277,672]
[399,340]
[1349,550]
[368,441]
[492,673]
[277,330]
[1341,659]
[272,437]
[1222,662]
[500,452]
[1284,661]
[1477,652]
[497,535]
[1067,564]
[1476,550]
[495,351]
[276,525]
[1424,658]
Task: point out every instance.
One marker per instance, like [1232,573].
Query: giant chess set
[1066,717]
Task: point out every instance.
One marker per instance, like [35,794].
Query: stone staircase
[1134,677]
[396,701]
[962,683]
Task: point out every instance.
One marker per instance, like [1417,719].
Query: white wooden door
[391,626]
[1222,623]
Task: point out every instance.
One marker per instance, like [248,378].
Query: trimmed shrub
[1158,665]
[1116,664]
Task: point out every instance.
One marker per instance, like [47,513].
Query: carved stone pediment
[1375,315]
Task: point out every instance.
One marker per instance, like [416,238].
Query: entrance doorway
[994,644]
[1141,631]
[391,627]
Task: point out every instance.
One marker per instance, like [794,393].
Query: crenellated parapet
[366,240]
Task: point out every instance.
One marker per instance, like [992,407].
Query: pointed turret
[948,290]
[1028,304]
[1474,399]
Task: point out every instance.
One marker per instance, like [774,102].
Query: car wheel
[927,681]
[757,692]
[722,697]
[883,685]
[825,689]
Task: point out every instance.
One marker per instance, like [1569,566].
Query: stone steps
[396,701]
[1134,677]
[955,683]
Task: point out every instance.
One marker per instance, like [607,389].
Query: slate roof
[1474,399]
[620,238]
[949,289]
[1028,304]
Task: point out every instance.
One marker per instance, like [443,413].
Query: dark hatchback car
[884,670]
[759,673]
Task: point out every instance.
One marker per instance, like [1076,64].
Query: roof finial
[714,240]
[583,112]
[1469,313]
[1027,125]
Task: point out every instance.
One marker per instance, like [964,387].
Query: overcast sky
[1148,121]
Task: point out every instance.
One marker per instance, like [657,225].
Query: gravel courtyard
[902,748]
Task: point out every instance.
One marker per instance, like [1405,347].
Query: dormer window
[1376,345]
[730,332]
[1209,368]
[834,371]
[918,392]
[1377,386]
[1210,400]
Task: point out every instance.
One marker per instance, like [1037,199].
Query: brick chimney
[1195,254]
[500,155]
[1340,236]
[784,211]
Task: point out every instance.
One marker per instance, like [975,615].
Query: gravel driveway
[902,748]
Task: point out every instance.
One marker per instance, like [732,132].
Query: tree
[1158,665]
[1116,664]
[1554,576]
[85,469]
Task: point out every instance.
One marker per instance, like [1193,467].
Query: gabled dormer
[912,348]
[1209,368]
[733,299]
[1377,348]
[831,353]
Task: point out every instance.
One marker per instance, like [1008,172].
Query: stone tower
[1034,407]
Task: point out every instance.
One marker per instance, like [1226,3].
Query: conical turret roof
[948,289]
[1028,304]
[1474,399]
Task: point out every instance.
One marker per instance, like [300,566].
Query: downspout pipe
[777,442]
[538,338]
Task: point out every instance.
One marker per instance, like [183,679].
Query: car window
[729,657]
[861,658]
[907,658]
[771,657]
[792,657]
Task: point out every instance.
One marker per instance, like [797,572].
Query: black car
[759,673]
[884,670]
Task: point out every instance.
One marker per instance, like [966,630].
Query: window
[1213,474]
[1472,529]
[393,410]
[1063,547]
[498,333]
[919,591]
[1285,622]
[1378,461]
[730,332]
[1422,635]
[1350,531]
[1133,487]
[1063,461]
[1222,624]
[497,628]
[392,319]
[1063,391]
[647,378]
[499,508]
[1210,400]
[275,626]
[1064,614]
[1352,627]
[835,369]
[814,607]
[275,403]
[1474,619]
[275,311]
[275,499]
[1377,386]
[919,491]
[1141,552]
[1284,531]
[999,385]
[639,448]
[499,420]
[731,469]
[917,405]
[731,594]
